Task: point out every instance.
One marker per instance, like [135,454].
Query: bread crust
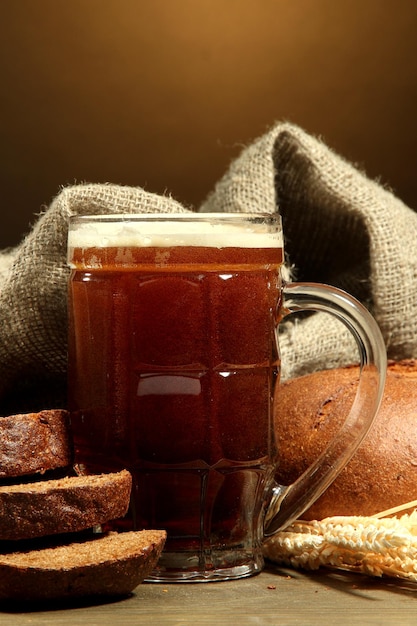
[111,565]
[62,505]
[33,443]
[383,472]
[49,511]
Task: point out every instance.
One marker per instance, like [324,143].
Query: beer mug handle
[290,501]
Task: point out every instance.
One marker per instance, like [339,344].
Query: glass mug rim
[174,216]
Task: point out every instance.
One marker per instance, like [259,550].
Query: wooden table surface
[276,596]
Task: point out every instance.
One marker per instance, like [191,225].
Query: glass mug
[173,371]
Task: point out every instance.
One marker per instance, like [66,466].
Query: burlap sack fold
[340,228]
[33,294]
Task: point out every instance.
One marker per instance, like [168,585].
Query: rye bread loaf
[33,443]
[113,564]
[383,472]
[63,505]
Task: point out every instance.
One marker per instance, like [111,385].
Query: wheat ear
[377,546]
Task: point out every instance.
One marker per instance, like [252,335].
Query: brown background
[164,93]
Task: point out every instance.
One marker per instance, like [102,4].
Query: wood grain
[277,596]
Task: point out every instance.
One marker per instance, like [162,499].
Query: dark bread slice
[63,505]
[33,443]
[112,565]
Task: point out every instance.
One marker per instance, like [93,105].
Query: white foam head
[220,230]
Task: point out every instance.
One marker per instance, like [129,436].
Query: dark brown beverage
[173,363]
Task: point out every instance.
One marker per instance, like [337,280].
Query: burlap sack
[340,228]
[33,294]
